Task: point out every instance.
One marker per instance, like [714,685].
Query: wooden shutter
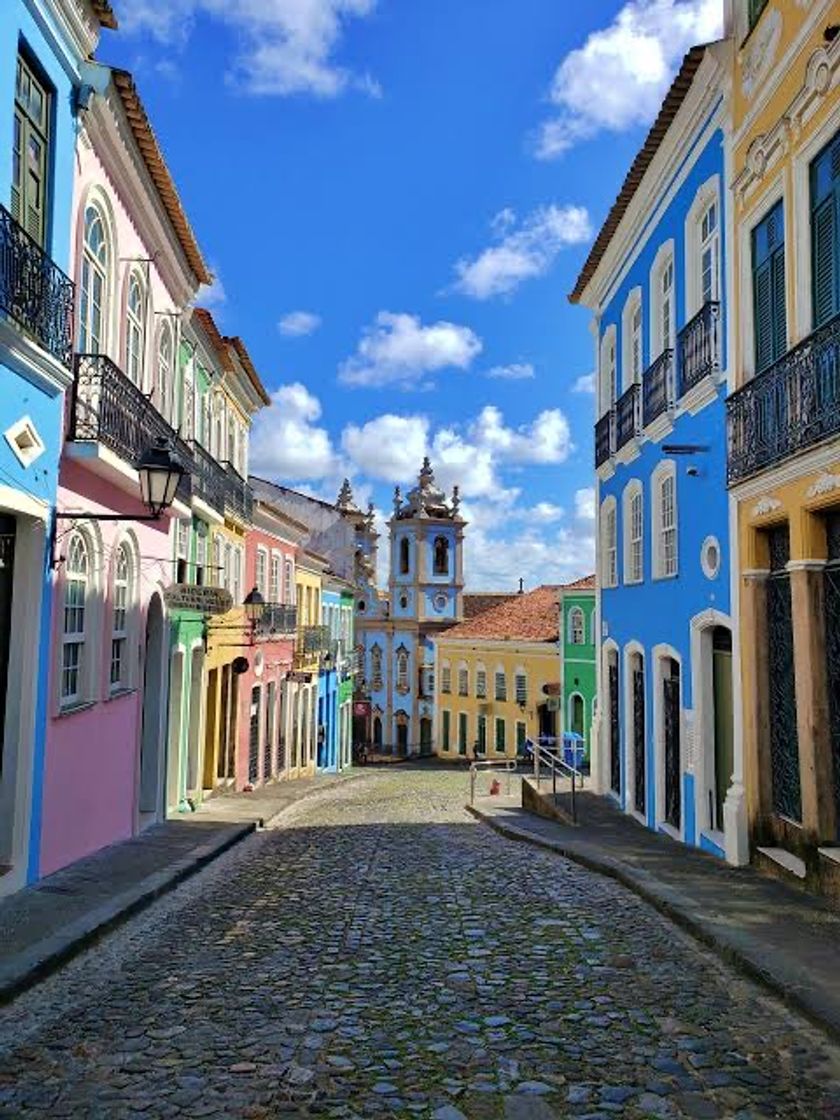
[30,153]
[825,234]
[769,308]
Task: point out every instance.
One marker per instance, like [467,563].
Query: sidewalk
[44,925]
[786,939]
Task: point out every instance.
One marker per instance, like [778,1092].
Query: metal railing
[34,292]
[239,498]
[658,387]
[543,756]
[604,437]
[209,478]
[698,347]
[508,765]
[628,416]
[790,406]
[276,618]
[108,408]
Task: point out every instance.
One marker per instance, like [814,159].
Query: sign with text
[194,597]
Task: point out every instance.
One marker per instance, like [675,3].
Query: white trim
[608,544]
[632,308]
[701,627]
[664,470]
[632,649]
[774,192]
[632,490]
[706,194]
[665,255]
[607,387]
[710,571]
[25,441]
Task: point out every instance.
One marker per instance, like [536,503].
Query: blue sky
[395,198]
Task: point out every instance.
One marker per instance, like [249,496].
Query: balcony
[698,347]
[312,641]
[239,499]
[628,416]
[107,407]
[277,619]
[209,478]
[792,405]
[34,292]
[658,387]
[604,438]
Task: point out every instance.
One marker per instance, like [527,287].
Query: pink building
[137,267]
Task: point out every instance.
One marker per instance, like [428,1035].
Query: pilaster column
[812,712]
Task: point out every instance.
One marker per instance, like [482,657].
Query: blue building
[44,83]
[425,596]
[655,282]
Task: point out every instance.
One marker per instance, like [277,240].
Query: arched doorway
[377,732]
[637,715]
[724,752]
[151,736]
[425,736]
[671,735]
[613,724]
[173,741]
[576,716]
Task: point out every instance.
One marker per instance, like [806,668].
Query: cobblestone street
[380,953]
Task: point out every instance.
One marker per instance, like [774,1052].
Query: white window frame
[463,679]
[74,639]
[165,370]
[500,691]
[124,587]
[608,540]
[664,566]
[607,371]
[446,678]
[95,266]
[376,682]
[633,526]
[576,615]
[520,686]
[402,673]
[481,681]
[135,330]
[708,194]
[663,264]
[275,566]
[261,571]
[632,356]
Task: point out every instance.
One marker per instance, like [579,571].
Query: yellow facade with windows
[784,434]
[302,694]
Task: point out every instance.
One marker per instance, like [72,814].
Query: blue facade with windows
[665,723]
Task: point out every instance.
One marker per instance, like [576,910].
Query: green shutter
[769,308]
[824,232]
[763,311]
[779,315]
[445,730]
[482,734]
[30,156]
[462,733]
[500,735]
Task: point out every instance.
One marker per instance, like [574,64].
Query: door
[194,720]
[577,719]
[615,742]
[462,733]
[832,647]
[402,739]
[254,735]
[173,746]
[724,727]
[425,736]
[377,733]
[547,722]
[224,724]
[8,529]
[784,736]
[268,749]
[151,729]
[639,768]
[211,729]
[673,768]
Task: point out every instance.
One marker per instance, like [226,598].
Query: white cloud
[584,384]
[546,440]
[286,444]
[297,324]
[585,504]
[516,371]
[212,295]
[285,46]
[497,554]
[398,349]
[522,251]
[544,512]
[389,447]
[619,76]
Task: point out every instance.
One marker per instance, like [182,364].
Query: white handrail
[554,762]
[507,764]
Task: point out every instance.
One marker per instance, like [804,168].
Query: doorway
[211,730]
[613,722]
[254,735]
[780,681]
[832,647]
[268,749]
[377,733]
[402,736]
[576,716]
[637,678]
[724,745]
[173,746]
[8,537]
[194,723]
[671,719]
[546,721]
[151,731]
[425,736]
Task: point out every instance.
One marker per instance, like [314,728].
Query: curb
[46,956]
[669,904]
[267,822]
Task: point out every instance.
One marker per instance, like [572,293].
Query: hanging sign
[361,708]
[553,688]
[193,597]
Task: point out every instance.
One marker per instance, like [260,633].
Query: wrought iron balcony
[792,405]
[658,387]
[698,347]
[209,478]
[276,619]
[628,416]
[604,437]
[107,407]
[314,640]
[239,498]
[34,292]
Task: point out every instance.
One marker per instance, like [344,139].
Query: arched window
[402,669]
[664,521]
[577,627]
[607,381]
[609,544]
[217,448]
[288,583]
[662,301]
[441,564]
[135,334]
[376,668]
[520,685]
[631,332]
[231,441]
[77,577]
[123,597]
[480,681]
[709,253]
[702,247]
[445,677]
[164,370]
[633,520]
[404,556]
[463,679]
[93,297]
[501,683]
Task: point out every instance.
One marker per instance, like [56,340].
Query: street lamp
[160,472]
[254,606]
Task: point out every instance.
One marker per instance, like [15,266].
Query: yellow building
[497,677]
[310,643]
[784,425]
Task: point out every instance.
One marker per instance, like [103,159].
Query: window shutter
[769,289]
[825,234]
[779,314]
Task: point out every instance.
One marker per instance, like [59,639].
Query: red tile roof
[477,602]
[245,358]
[531,617]
[587,583]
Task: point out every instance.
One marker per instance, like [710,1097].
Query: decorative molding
[765,506]
[825,484]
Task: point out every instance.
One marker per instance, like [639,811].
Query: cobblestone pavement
[382,954]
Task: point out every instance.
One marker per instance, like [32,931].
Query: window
[289,583]
[825,233]
[445,677]
[402,669]
[463,680]
[236,581]
[135,332]
[709,253]
[768,262]
[376,668]
[274,579]
[631,329]
[481,682]
[754,9]
[666,304]
[441,562]
[445,730]
[164,370]
[119,628]
[665,521]
[500,736]
[218,562]
[521,736]
[94,286]
[501,685]
[404,556]
[231,440]
[462,732]
[262,572]
[182,551]
[609,545]
[607,372]
[77,576]
[576,627]
[30,153]
[482,734]
[521,686]
[200,555]
[633,532]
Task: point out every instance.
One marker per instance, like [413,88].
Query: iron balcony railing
[276,619]
[209,478]
[239,498]
[108,408]
[311,642]
[604,441]
[790,406]
[698,347]
[628,416]
[34,292]
[658,387]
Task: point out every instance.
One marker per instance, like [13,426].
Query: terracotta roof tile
[530,617]
[587,583]
[477,602]
[669,109]
[156,165]
[208,325]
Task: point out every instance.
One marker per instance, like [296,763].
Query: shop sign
[361,708]
[193,597]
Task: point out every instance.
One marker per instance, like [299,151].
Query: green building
[578,642]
